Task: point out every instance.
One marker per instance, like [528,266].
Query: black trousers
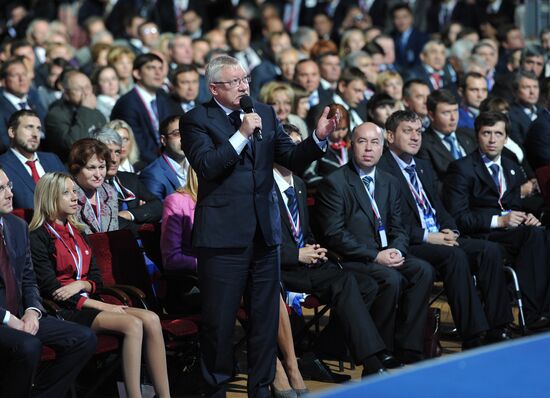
[350,297]
[400,309]
[528,249]
[225,275]
[452,265]
[20,358]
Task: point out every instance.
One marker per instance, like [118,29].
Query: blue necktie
[455,152]
[367,180]
[293,208]
[23,105]
[155,109]
[411,171]
[495,171]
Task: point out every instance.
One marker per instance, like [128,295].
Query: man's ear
[11,133]
[136,74]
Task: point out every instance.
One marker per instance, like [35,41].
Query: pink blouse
[177,225]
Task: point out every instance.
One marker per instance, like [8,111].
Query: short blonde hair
[116,52]
[119,124]
[384,77]
[268,91]
[47,194]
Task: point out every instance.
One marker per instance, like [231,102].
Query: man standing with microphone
[237,222]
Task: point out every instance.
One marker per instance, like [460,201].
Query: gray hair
[302,35]
[108,136]
[477,60]
[214,67]
[462,48]
[353,58]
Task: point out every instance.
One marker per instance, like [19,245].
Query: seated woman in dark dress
[67,273]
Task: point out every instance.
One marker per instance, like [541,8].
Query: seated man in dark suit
[482,193]
[359,217]
[168,172]
[16,94]
[350,93]
[305,269]
[434,69]
[23,163]
[524,110]
[472,90]
[24,324]
[409,41]
[136,205]
[434,237]
[185,87]
[74,116]
[308,76]
[146,105]
[442,142]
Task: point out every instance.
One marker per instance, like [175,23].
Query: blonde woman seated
[391,83]
[67,273]
[178,254]
[281,97]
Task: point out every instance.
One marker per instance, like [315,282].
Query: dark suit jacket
[411,56]
[164,14]
[463,13]
[427,177]
[346,220]
[519,122]
[159,178]
[438,155]
[7,109]
[131,109]
[537,141]
[238,190]
[420,72]
[472,197]
[289,250]
[261,75]
[322,167]
[23,184]
[326,99]
[149,212]
[16,234]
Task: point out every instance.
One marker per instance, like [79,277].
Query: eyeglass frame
[236,82]
[9,185]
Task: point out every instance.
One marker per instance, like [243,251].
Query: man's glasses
[236,82]
[3,188]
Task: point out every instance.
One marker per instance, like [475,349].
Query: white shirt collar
[401,163]
[225,109]
[145,95]
[22,158]
[362,173]
[15,100]
[442,136]
[281,182]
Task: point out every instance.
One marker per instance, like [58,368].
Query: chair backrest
[25,214]
[121,260]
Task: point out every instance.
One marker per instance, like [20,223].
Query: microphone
[248,107]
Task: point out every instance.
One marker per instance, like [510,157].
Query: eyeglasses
[236,82]
[3,188]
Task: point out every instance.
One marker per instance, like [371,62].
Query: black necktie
[8,276]
[235,119]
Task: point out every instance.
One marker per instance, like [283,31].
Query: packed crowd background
[435,169]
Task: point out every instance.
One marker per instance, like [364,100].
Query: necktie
[437,80]
[368,181]
[34,172]
[23,105]
[495,171]
[411,171]
[8,276]
[455,152]
[155,109]
[293,208]
[235,119]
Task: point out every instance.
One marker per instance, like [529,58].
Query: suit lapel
[440,148]
[483,173]
[220,121]
[381,195]
[359,192]
[172,177]
[396,171]
[511,174]
[19,169]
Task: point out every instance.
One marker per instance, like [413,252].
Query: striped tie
[293,208]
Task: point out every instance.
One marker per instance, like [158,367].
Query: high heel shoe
[301,391]
[283,393]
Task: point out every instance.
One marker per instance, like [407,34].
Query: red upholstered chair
[122,266]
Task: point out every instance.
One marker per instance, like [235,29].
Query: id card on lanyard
[77,257]
[381,229]
[428,211]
